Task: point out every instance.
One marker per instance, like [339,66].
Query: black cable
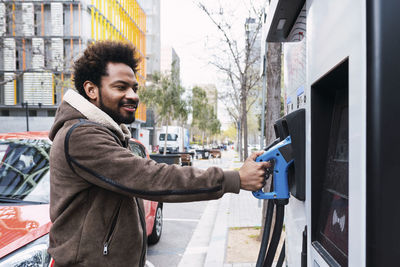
[281,256]
[304,248]
[265,237]
[276,235]
[268,220]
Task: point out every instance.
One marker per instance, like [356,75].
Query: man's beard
[115,115]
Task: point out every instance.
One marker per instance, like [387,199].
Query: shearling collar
[93,113]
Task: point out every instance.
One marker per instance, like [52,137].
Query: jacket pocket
[111,230]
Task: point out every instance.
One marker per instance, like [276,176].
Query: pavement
[207,246]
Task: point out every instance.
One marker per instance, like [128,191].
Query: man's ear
[92,91]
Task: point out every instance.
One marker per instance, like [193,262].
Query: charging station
[342,70]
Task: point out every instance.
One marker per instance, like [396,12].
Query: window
[9,22]
[47,54]
[18,58]
[137,149]
[71,19]
[13,15]
[47,19]
[171,137]
[2,58]
[24,169]
[20,88]
[37,20]
[23,54]
[27,49]
[2,90]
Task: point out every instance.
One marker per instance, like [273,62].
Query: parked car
[186,159]
[192,150]
[203,153]
[215,152]
[25,195]
[153,210]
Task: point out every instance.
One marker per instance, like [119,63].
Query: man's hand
[252,174]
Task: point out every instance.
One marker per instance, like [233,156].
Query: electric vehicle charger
[280,153]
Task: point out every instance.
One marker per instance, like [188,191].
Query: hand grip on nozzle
[281,154]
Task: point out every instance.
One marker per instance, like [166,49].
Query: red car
[24,199]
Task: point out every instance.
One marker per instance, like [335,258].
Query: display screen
[333,212]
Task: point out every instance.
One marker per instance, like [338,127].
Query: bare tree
[273,108]
[273,105]
[240,65]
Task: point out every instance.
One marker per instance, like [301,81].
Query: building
[253,38]
[153,61]
[169,59]
[153,42]
[39,41]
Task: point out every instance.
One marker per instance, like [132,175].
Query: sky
[186,28]
[191,33]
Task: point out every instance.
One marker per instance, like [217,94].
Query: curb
[216,249]
[198,247]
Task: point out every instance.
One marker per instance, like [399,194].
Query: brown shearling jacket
[97,186]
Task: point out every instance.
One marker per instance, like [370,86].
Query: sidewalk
[242,210]
[208,244]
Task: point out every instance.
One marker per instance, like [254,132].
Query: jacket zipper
[111,232]
[143,223]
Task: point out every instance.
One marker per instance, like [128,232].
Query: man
[97,184]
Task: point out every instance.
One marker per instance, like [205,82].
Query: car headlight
[34,255]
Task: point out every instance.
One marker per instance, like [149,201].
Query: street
[181,220]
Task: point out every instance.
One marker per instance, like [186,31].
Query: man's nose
[132,95]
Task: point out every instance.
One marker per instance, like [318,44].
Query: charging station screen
[333,213]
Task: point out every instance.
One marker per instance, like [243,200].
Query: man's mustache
[129,102]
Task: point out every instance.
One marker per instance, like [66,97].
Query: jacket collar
[93,113]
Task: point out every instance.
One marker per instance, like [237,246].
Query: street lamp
[25,105]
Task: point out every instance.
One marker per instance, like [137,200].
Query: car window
[24,169]
[171,137]
[137,149]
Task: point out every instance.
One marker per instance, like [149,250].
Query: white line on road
[180,220]
[196,251]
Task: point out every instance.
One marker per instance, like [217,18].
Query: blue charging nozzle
[282,156]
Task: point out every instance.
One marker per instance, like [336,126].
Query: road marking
[180,220]
[196,250]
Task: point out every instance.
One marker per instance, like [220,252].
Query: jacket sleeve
[97,158]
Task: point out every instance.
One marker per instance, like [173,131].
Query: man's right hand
[252,173]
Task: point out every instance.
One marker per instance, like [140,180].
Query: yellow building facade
[122,20]
[40,40]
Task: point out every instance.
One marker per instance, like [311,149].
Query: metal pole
[264,89]
[27,116]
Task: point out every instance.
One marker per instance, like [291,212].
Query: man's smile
[129,107]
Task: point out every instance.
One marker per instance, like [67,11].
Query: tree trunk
[240,138]
[155,138]
[245,132]
[182,137]
[166,138]
[273,108]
